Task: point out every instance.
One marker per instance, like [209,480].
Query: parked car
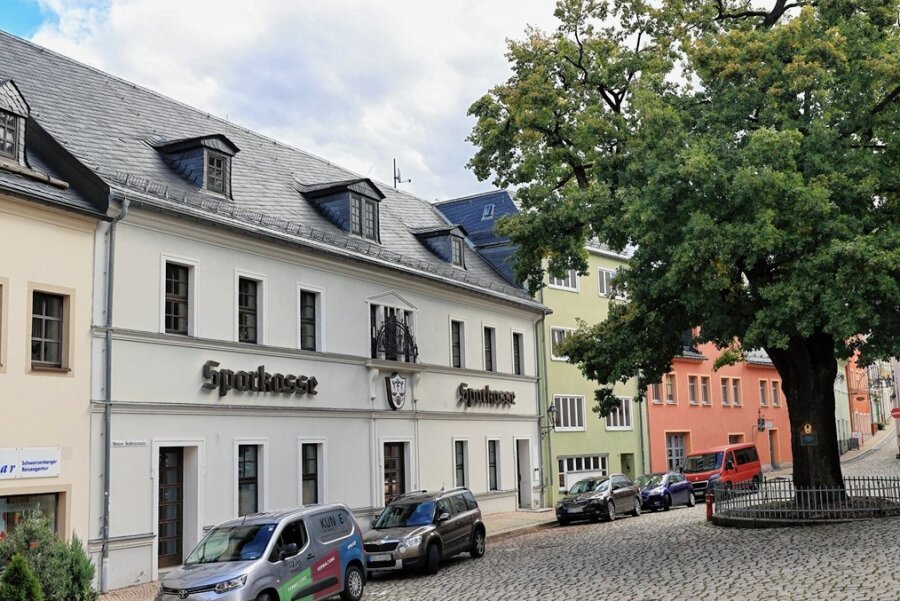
[600,496]
[419,529]
[727,465]
[663,490]
[290,554]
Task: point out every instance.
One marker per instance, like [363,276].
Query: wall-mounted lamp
[761,422]
[551,421]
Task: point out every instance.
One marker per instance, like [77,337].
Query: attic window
[364,217]
[216,172]
[9,130]
[456,249]
[488,212]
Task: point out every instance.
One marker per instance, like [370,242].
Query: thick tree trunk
[807,368]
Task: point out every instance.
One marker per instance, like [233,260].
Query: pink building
[695,408]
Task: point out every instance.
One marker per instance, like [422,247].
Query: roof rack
[410,493]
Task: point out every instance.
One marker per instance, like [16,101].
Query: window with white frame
[457,343]
[460,462]
[379,315]
[456,252]
[217,172]
[178,301]
[557,337]
[518,347]
[620,417]
[311,477]
[656,392]
[593,464]
[9,134]
[776,393]
[670,389]
[364,217]
[248,479]
[692,390]
[249,310]
[569,413]
[705,393]
[736,392]
[493,449]
[309,319]
[763,393]
[568,282]
[726,392]
[490,349]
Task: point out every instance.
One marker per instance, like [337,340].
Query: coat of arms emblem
[396,390]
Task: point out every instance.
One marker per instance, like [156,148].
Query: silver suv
[274,556]
[419,529]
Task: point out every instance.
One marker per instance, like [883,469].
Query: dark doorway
[394,470]
[171,505]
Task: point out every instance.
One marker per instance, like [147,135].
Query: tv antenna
[397,177]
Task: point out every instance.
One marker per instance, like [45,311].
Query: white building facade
[272,330]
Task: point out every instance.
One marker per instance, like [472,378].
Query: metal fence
[778,499]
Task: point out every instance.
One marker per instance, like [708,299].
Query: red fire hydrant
[709,505]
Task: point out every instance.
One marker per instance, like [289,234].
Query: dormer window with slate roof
[9,135]
[352,205]
[14,111]
[204,161]
[446,242]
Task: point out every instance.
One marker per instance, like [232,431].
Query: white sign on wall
[29,462]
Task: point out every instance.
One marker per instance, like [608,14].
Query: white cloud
[357,82]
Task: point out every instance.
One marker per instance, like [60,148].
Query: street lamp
[551,421]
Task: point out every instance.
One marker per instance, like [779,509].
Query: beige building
[46,278]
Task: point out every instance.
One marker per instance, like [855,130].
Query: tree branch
[886,101]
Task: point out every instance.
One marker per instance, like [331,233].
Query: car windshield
[650,480]
[583,486]
[405,515]
[703,463]
[232,543]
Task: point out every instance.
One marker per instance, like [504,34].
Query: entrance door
[171,505]
[773,448]
[523,470]
[394,471]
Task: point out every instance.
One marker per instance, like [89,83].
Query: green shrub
[18,583]
[64,571]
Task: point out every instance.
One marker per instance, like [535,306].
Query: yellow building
[48,216]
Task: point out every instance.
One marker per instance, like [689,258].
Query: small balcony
[394,342]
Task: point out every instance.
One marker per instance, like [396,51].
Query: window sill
[50,369]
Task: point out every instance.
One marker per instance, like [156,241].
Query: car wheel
[637,508]
[692,500]
[354,583]
[610,511]
[432,559]
[562,521]
[264,597]
[667,502]
[478,544]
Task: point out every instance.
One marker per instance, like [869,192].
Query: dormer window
[364,217]
[488,212]
[456,249]
[216,172]
[204,161]
[9,135]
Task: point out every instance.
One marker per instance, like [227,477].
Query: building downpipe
[107,408]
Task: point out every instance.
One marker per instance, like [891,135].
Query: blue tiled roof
[468,212]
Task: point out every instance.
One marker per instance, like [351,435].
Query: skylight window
[488,212]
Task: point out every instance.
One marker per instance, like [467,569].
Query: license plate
[380,557]
[575,509]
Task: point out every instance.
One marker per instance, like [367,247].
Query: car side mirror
[289,550]
[443,517]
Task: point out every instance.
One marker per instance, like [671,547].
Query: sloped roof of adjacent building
[110,126]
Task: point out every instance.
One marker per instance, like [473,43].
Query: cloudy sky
[357,82]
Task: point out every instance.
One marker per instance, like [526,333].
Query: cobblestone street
[676,555]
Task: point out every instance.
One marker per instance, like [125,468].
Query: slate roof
[109,124]
[468,211]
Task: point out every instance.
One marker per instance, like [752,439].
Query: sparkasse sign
[256,380]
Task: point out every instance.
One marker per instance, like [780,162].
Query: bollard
[709,505]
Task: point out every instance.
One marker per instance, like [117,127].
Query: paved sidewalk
[499,526]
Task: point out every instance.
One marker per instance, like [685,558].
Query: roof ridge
[471,196]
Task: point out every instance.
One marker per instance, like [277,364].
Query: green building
[575,441]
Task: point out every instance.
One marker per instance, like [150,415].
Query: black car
[601,496]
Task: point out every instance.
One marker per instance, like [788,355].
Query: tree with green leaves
[18,583]
[749,157]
